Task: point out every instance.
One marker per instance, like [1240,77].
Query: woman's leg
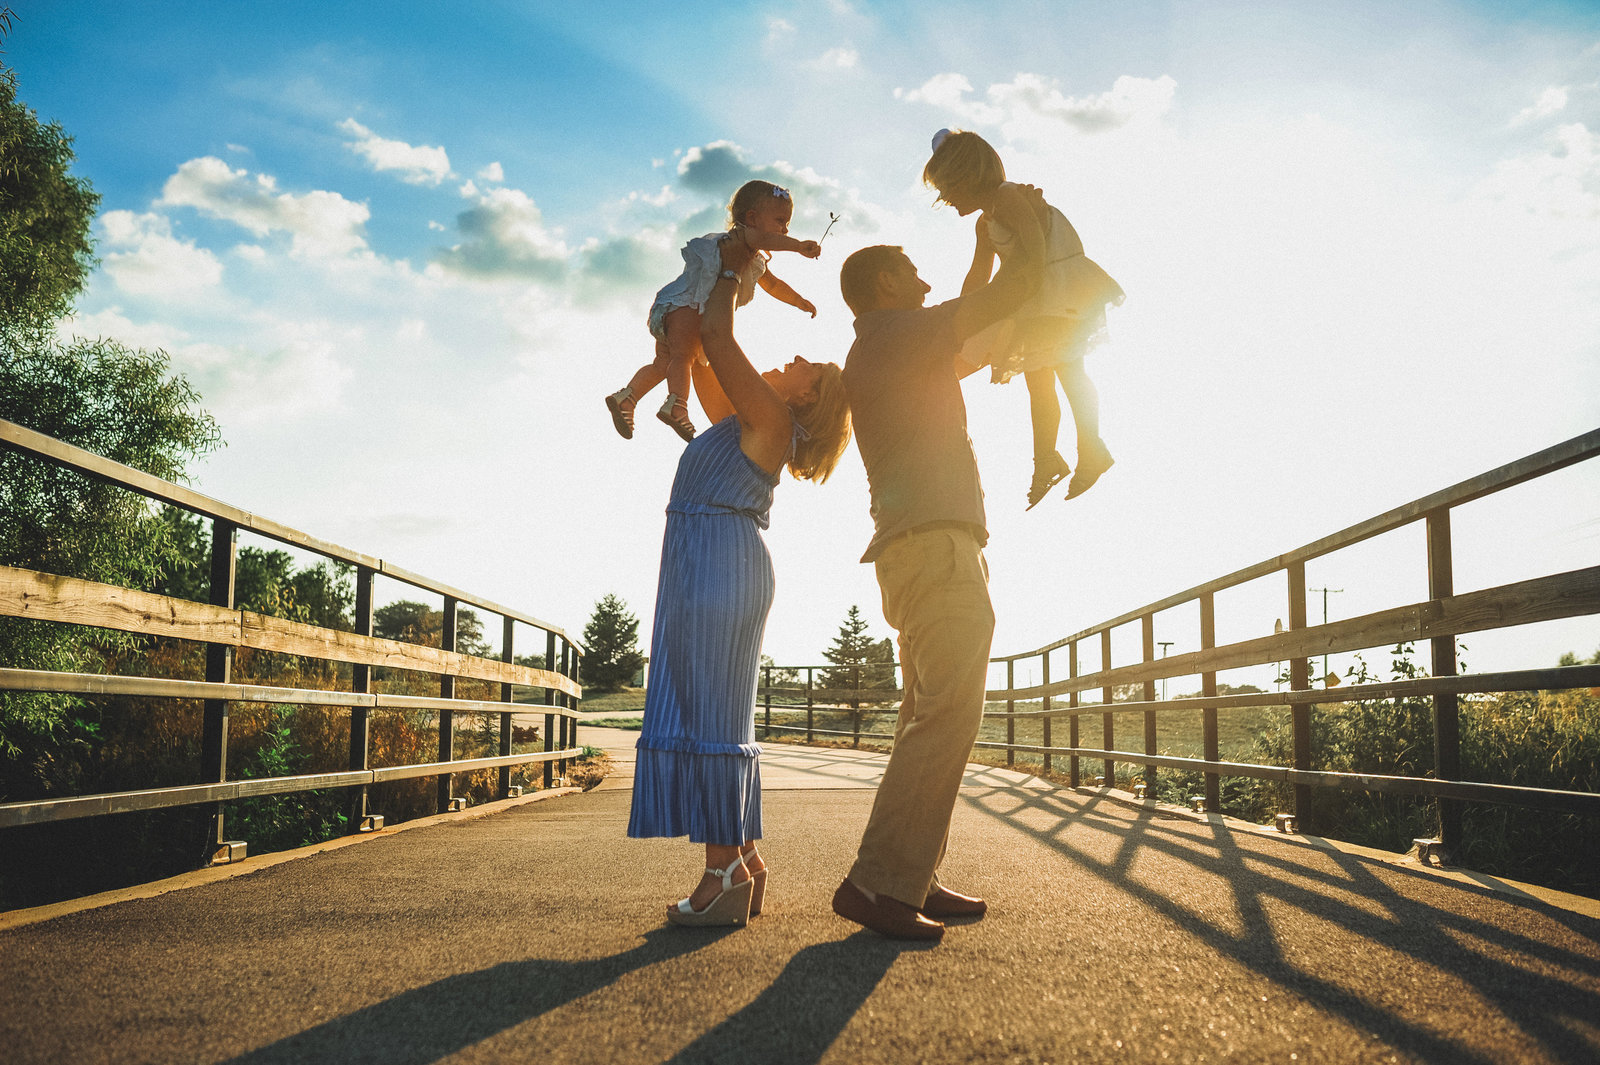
[718,856]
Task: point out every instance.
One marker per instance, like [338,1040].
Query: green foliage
[1537,739]
[860,661]
[125,405]
[611,640]
[45,251]
[413,622]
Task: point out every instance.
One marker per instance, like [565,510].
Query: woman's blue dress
[698,771]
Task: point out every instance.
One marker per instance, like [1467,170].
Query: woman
[698,771]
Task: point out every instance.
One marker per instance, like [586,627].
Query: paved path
[1117,934]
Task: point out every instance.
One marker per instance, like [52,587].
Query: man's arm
[1019,272]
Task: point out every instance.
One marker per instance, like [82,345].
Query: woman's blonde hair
[963,161]
[827,428]
[751,195]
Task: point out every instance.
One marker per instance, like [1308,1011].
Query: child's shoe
[675,412]
[620,403]
[1093,460]
[1046,475]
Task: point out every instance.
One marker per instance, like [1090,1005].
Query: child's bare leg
[682,348]
[1093,456]
[1048,465]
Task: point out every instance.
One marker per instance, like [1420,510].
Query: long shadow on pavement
[436,1020]
[1544,1006]
[799,1015]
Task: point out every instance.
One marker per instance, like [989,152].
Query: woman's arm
[779,289]
[713,400]
[766,427]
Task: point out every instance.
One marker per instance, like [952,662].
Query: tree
[413,622]
[611,640]
[45,251]
[860,661]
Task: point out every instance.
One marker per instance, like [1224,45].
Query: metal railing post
[507,635]
[1044,704]
[1011,709]
[550,719]
[1446,711]
[855,709]
[766,702]
[1108,696]
[1147,626]
[1072,719]
[1300,680]
[360,716]
[447,718]
[219,670]
[809,707]
[1208,688]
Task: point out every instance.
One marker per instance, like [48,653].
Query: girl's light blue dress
[698,772]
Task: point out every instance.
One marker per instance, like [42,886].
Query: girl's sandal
[730,907]
[1046,475]
[675,413]
[620,403]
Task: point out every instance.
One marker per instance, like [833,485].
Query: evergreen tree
[859,660]
[611,646]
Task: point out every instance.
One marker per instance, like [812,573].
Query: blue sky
[403,250]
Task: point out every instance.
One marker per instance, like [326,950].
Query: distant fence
[46,598]
[1438,620]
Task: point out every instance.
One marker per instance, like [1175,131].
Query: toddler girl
[1047,338]
[759,215]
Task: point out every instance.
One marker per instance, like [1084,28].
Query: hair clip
[781,192]
[938,138]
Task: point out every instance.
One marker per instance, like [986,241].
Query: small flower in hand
[832,218]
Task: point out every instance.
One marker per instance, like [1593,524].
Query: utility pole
[1164,645]
[1325,593]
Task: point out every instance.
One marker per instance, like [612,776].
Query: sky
[404,250]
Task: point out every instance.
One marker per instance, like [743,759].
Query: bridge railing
[1439,620]
[224,629]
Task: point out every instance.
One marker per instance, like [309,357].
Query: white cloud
[493,172]
[504,235]
[417,164]
[1559,187]
[320,224]
[1029,101]
[1550,101]
[143,258]
[839,58]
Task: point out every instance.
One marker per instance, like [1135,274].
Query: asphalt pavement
[532,931]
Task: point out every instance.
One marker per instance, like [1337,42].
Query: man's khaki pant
[935,588]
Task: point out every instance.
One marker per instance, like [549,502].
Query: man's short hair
[858,277]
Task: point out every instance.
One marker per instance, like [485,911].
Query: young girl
[759,216]
[1047,339]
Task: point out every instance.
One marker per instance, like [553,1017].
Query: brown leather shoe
[885,916]
[943,904]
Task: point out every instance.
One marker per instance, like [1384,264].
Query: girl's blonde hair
[963,161]
[750,195]
[827,428]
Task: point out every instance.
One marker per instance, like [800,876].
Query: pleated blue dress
[698,771]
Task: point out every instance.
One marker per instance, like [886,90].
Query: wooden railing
[1437,620]
[45,598]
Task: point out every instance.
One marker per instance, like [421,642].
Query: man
[903,380]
